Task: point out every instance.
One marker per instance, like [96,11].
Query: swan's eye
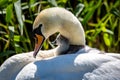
[37,31]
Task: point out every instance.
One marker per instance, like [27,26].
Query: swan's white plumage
[86,64]
[12,66]
[107,71]
[72,67]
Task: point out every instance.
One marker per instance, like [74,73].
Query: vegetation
[100,19]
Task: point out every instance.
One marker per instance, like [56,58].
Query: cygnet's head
[52,20]
[60,41]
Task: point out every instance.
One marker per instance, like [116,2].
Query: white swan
[85,64]
[88,65]
[53,20]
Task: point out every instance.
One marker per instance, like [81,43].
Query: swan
[53,20]
[13,65]
[84,64]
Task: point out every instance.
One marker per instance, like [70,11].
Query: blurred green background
[100,19]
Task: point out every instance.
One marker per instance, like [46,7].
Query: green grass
[100,19]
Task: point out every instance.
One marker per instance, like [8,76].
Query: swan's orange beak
[39,39]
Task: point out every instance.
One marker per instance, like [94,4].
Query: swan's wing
[108,71]
[115,55]
[66,67]
[10,68]
[88,49]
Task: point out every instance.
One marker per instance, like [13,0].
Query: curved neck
[74,32]
[64,47]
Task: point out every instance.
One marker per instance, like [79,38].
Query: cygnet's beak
[39,39]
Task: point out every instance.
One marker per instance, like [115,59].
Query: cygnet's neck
[64,46]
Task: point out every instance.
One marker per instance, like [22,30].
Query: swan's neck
[74,32]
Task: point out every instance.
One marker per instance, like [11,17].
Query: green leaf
[90,9]
[88,16]
[11,31]
[106,39]
[3,3]
[116,12]
[18,48]
[32,5]
[109,31]
[32,1]
[18,11]
[79,9]
[9,13]
[17,38]
[62,1]
[53,2]
[6,53]
[45,45]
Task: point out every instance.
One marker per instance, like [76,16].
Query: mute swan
[53,20]
[85,64]
[13,65]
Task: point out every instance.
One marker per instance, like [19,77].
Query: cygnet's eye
[53,37]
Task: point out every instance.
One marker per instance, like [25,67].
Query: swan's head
[52,20]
